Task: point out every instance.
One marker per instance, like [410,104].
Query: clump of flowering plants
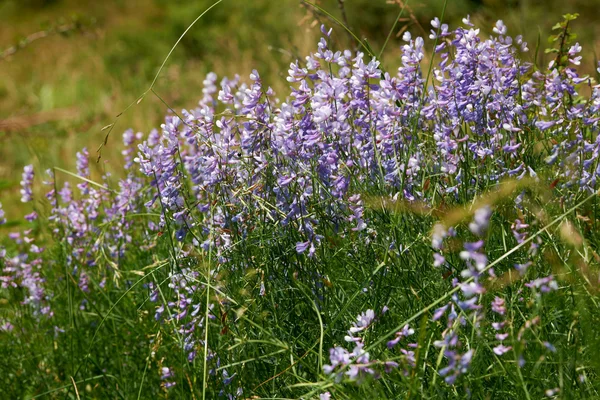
[453,211]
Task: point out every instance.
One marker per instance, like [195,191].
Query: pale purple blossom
[363,321]
[26,184]
[498,305]
[481,220]
[501,349]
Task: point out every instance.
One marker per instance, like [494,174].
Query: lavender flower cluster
[347,127]
[357,365]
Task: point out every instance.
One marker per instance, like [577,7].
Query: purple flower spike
[26,183]
[498,306]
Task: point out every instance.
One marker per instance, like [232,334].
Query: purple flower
[439,312]
[501,349]
[458,365]
[481,220]
[83,163]
[438,260]
[498,305]
[227,378]
[522,268]
[31,216]
[301,247]
[543,125]
[549,346]
[498,325]
[438,234]
[2,217]
[166,373]
[472,289]
[26,183]
[363,321]
[6,326]
[511,148]
[285,180]
[404,332]
[500,28]
[472,254]
[545,285]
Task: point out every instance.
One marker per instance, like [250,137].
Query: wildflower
[301,247]
[404,332]
[522,268]
[166,373]
[6,326]
[501,349]
[500,28]
[26,183]
[498,305]
[363,321]
[472,288]
[439,312]
[549,346]
[573,51]
[31,216]
[439,233]
[227,378]
[546,284]
[467,21]
[2,216]
[472,254]
[438,260]
[459,364]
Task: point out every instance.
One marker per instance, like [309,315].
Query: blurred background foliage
[68,67]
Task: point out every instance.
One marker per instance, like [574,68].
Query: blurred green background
[68,67]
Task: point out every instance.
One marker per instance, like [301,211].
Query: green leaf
[570,17]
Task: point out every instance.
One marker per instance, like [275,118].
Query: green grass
[114,348]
